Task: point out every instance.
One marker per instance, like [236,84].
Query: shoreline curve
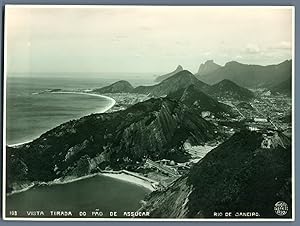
[122,175]
[113,102]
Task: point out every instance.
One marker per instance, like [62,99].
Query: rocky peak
[207,67]
[165,76]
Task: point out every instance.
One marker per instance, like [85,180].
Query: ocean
[100,192]
[30,113]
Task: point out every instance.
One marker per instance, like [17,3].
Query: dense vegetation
[195,98]
[154,129]
[241,176]
[117,87]
[230,90]
[284,87]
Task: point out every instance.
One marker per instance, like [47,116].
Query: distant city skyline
[143,39]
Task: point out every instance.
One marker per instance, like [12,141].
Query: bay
[99,192]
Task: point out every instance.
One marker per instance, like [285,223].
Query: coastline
[103,110]
[113,101]
[122,175]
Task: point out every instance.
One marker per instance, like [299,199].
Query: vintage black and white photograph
[146,113]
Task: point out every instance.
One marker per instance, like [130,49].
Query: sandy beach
[123,175]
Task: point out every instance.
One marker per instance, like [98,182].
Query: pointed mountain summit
[163,77]
[208,67]
[178,81]
[230,90]
[195,98]
[117,87]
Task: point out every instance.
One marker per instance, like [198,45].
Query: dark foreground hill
[155,129]
[195,98]
[243,174]
[250,76]
[117,87]
[163,77]
[178,81]
[230,90]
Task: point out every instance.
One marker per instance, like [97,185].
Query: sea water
[100,193]
[29,113]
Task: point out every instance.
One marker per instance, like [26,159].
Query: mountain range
[250,171]
[180,80]
[250,76]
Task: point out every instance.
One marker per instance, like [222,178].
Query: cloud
[282,45]
[252,49]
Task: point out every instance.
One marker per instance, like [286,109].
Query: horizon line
[154,73]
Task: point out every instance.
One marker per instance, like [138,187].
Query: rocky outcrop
[169,203]
[163,77]
[207,67]
[237,176]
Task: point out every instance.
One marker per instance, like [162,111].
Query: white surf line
[132,178]
[18,144]
[113,102]
[121,175]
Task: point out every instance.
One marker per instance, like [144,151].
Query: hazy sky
[144,39]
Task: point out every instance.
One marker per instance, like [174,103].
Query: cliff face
[154,129]
[178,81]
[163,77]
[208,67]
[117,87]
[170,203]
[241,174]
